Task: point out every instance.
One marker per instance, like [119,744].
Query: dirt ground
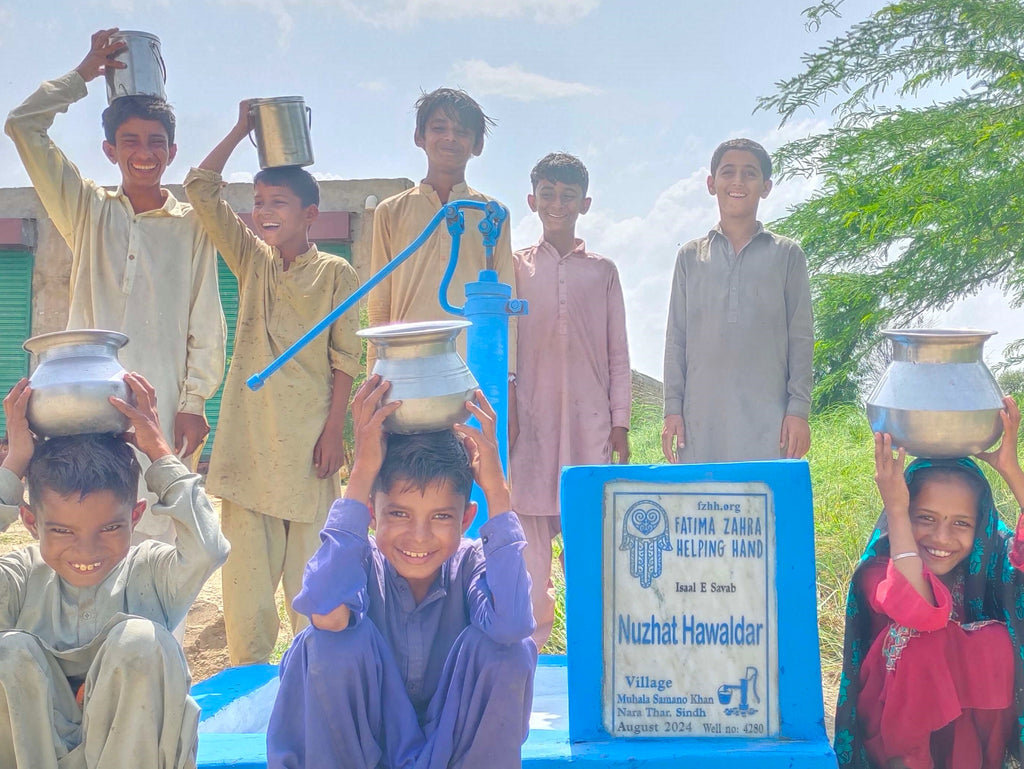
[205,644]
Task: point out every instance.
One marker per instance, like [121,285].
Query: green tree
[918,205]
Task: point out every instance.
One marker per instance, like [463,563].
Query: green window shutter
[228,286]
[344,250]
[15,319]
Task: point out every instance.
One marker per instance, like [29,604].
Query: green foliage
[918,206]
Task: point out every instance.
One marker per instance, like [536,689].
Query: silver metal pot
[937,398]
[75,374]
[282,125]
[426,374]
[145,73]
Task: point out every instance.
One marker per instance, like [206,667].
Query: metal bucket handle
[155,46]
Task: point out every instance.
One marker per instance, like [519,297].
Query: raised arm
[57,181]
[200,548]
[204,187]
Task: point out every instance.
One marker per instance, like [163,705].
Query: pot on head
[145,73]
[426,373]
[77,371]
[282,126]
[937,398]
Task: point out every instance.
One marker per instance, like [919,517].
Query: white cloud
[375,86]
[513,82]
[240,177]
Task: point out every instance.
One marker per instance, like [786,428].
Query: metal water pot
[426,373]
[76,372]
[937,398]
[282,125]
[145,73]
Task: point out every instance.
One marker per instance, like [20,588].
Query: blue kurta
[442,683]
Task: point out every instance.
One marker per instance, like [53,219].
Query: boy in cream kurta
[278,450]
[450,128]
[84,611]
[141,263]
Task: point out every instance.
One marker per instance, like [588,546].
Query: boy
[450,129]
[420,651]
[140,261]
[276,458]
[90,674]
[572,342]
[740,339]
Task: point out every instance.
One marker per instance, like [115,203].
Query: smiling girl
[932,672]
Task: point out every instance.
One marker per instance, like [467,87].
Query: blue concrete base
[548,746]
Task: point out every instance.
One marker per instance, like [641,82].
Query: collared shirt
[410,292]
[484,584]
[263,454]
[739,345]
[155,580]
[152,276]
[573,379]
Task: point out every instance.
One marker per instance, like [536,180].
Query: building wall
[52,263]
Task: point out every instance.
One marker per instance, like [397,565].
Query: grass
[846,507]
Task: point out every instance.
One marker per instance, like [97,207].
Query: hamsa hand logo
[645,535]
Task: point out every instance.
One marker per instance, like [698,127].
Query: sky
[641,90]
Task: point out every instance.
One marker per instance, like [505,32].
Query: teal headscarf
[993,590]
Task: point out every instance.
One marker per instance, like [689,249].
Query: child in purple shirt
[419,654]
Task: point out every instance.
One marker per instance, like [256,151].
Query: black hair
[84,464]
[141,106]
[747,145]
[458,106]
[297,179]
[923,475]
[560,167]
[425,459]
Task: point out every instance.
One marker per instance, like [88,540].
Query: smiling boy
[740,338]
[573,387]
[278,450]
[140,261]
[450,129]
[419,652]
[90,674]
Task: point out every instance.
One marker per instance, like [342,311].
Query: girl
[933,674]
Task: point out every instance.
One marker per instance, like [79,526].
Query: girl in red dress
[933,674]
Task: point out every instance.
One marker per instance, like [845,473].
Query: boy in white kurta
[85,613]
[141,263]
[278,450]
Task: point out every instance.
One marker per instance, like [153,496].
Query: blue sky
[641,91]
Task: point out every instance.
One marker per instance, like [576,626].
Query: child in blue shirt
[419,654]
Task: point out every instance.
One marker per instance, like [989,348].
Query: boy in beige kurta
[141,264]
[278,450]
[90,675]
[450,128]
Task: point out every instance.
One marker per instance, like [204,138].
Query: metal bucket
[145,73]
[282,125]
[77,371]
[426,374]
[937,398]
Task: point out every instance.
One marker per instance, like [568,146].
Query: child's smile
[82,539]
[943,515]
[417,530]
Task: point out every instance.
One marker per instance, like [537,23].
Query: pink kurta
[573,380]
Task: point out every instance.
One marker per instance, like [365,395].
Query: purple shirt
[484,583]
